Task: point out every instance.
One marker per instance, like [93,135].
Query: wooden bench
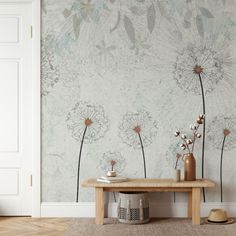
[152,185]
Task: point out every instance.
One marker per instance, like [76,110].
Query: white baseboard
[87,209]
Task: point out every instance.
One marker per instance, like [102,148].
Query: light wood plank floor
[27,226]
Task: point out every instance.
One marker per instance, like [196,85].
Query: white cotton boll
[183,136]
[198,135]
[177,133]
[189,141]
[201,116]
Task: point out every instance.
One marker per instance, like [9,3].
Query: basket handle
[118,208]
[128,209]
[141,209]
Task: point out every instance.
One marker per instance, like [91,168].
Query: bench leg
[196,198]
[99,206]
[190,204]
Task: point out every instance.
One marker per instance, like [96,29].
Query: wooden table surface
[152,183]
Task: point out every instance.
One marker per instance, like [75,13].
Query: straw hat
[218,216]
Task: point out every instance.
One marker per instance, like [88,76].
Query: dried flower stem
[186,144]
[194,137]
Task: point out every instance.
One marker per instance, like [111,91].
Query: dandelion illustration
[198,65]
[87,124]
[112,161]
[222,133]
[193,62]
[138,131]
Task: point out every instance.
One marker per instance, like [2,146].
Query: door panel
[16,109]
[9,91]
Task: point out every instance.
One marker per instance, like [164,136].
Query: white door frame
[36,103]
[36,116]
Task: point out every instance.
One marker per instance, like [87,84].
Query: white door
[15,109]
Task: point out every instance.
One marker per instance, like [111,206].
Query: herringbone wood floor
[27,226]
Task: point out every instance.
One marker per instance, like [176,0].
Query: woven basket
[133,207]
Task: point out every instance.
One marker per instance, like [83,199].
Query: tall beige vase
[189,167]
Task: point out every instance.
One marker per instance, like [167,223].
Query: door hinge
[31,31]
[31,180]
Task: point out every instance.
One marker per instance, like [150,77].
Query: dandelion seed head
[226,132]
[195,60]
[137,129]
[198,69]
[113,162]
[88,122]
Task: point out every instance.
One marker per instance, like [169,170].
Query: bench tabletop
[150,183]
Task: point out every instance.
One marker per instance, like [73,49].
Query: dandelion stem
[176,163]
[78,171]
[221,167]
[114,195]
[144,163]
[204,130]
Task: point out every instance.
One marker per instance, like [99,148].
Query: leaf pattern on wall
[187,19]
[117,23]
[138,11]
[162,10]
[76,26]
[44,9]
[199,24]
[188,15]
[66,13]
[205,12]
[129,28]
[151,18]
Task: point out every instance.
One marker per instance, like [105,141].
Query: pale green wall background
[127,63]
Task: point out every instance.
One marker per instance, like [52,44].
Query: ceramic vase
[189,167]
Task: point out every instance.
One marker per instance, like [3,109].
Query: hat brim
[229,221]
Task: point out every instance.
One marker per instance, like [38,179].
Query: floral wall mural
[119,77]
